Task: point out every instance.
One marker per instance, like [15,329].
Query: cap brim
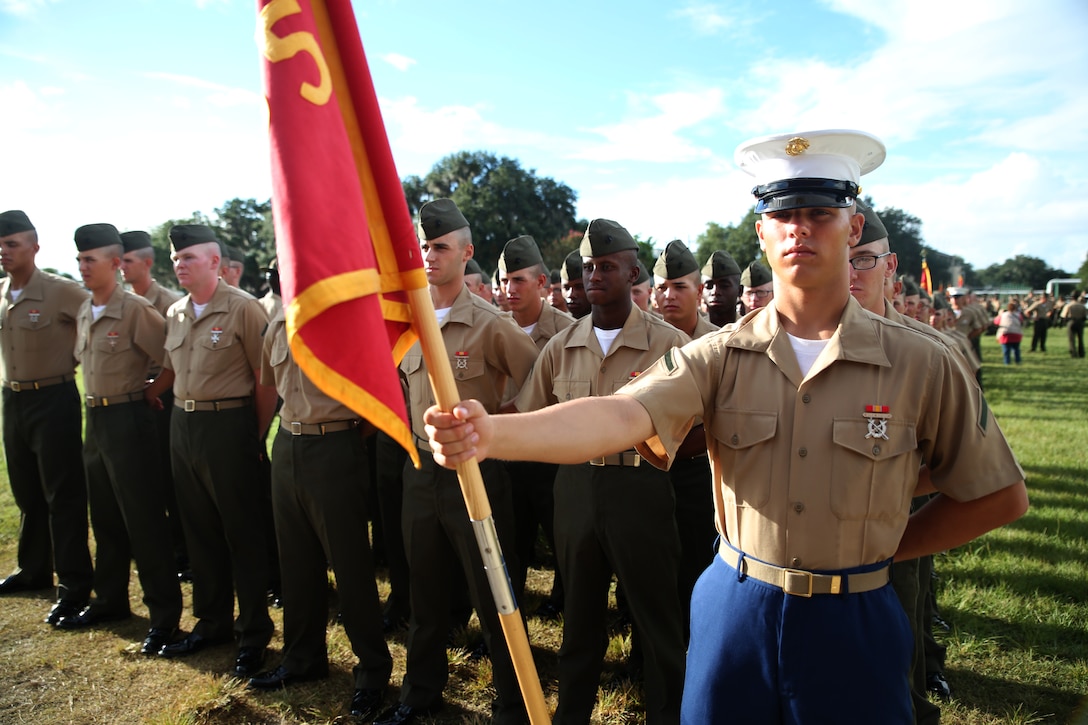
[803,201]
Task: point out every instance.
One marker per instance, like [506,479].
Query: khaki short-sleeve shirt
[38,331]
[161,297]
[303,402]
[817,472]
[572,365]
[485,348]
[118,349]
[215,357]
[703,326]
[550,323]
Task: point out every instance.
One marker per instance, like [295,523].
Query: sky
[140,111]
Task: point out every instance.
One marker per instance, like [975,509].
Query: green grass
[1017,600]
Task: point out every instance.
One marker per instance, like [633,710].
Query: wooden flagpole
[479,510]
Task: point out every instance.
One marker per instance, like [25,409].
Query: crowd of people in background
[180,391]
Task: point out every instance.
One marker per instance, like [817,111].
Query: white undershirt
[528,330]
[15,294]
[97,310]
[198,310]
[442,313]
[807,351]
[606,337]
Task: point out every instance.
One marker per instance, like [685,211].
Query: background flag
[346,246]
[926,282]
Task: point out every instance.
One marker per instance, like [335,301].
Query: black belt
[319,429]
[803,583]
[19,386]
[627,458]
[190,406]
[101,401]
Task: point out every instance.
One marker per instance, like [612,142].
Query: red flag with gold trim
[345,241]
[926,282]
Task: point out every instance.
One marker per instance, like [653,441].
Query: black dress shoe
[89,616]
[248,661]
[185,575]
[548,610]
[274,679]
[190,644]
[15,583]
[400,714]
[63,609]
[156,639]
[391,623]
[365,703]
[938,685]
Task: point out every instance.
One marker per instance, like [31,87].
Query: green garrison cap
[754,275]
[940,303]
[93,236]
[675,261]
[554,277]
[236,254]
[135,240]
[13,222]
[643,274]
[473,267]
[604,236]
[186,235]
[519,253]
[572,267]
[440,217]
[720,264]
[910,287]
[874,228]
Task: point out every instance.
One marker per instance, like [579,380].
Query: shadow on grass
[1002,698]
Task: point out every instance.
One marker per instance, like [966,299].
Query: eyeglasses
[761,294]
[863,262]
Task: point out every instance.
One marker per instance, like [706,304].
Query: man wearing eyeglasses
[758,288]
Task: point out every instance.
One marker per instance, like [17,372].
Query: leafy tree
[1082,273]
[499,198]
[247,225]
[739,240]
[1020,271]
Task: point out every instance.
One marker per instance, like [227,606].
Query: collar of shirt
[633,333]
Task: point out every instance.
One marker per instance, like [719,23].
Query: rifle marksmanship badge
[217,332]
[878,416]
[34,316]
[461,360]
[112,337]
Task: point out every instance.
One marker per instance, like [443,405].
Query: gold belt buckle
[790,575]
[597,462]
[16,386]
[636,461]
[90,400]
[190,406]
[296,428]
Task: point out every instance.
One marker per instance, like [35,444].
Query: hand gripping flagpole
[479,511]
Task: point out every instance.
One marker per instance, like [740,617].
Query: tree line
[503,200]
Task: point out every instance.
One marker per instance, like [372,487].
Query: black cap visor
[802,193]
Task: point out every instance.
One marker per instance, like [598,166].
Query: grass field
[1017,600]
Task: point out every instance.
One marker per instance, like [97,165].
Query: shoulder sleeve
[149,332]
[675,391]
[537,392]
[254,323]
[510,349]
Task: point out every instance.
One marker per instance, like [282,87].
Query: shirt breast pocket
[116,345]
[565,390]
[278,355]
[746,442]
[419,387]
[872,478]
[216,339]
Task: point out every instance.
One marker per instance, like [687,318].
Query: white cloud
[705,18]
[656,137]
[398,61]
[33,111]
[222,96]
[23,8]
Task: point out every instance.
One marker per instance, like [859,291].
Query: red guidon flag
[345,241]
[926,282]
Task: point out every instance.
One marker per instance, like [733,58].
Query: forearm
[265,401]
[945,523]
[573,432]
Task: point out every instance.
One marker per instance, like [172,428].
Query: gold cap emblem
[797,146]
